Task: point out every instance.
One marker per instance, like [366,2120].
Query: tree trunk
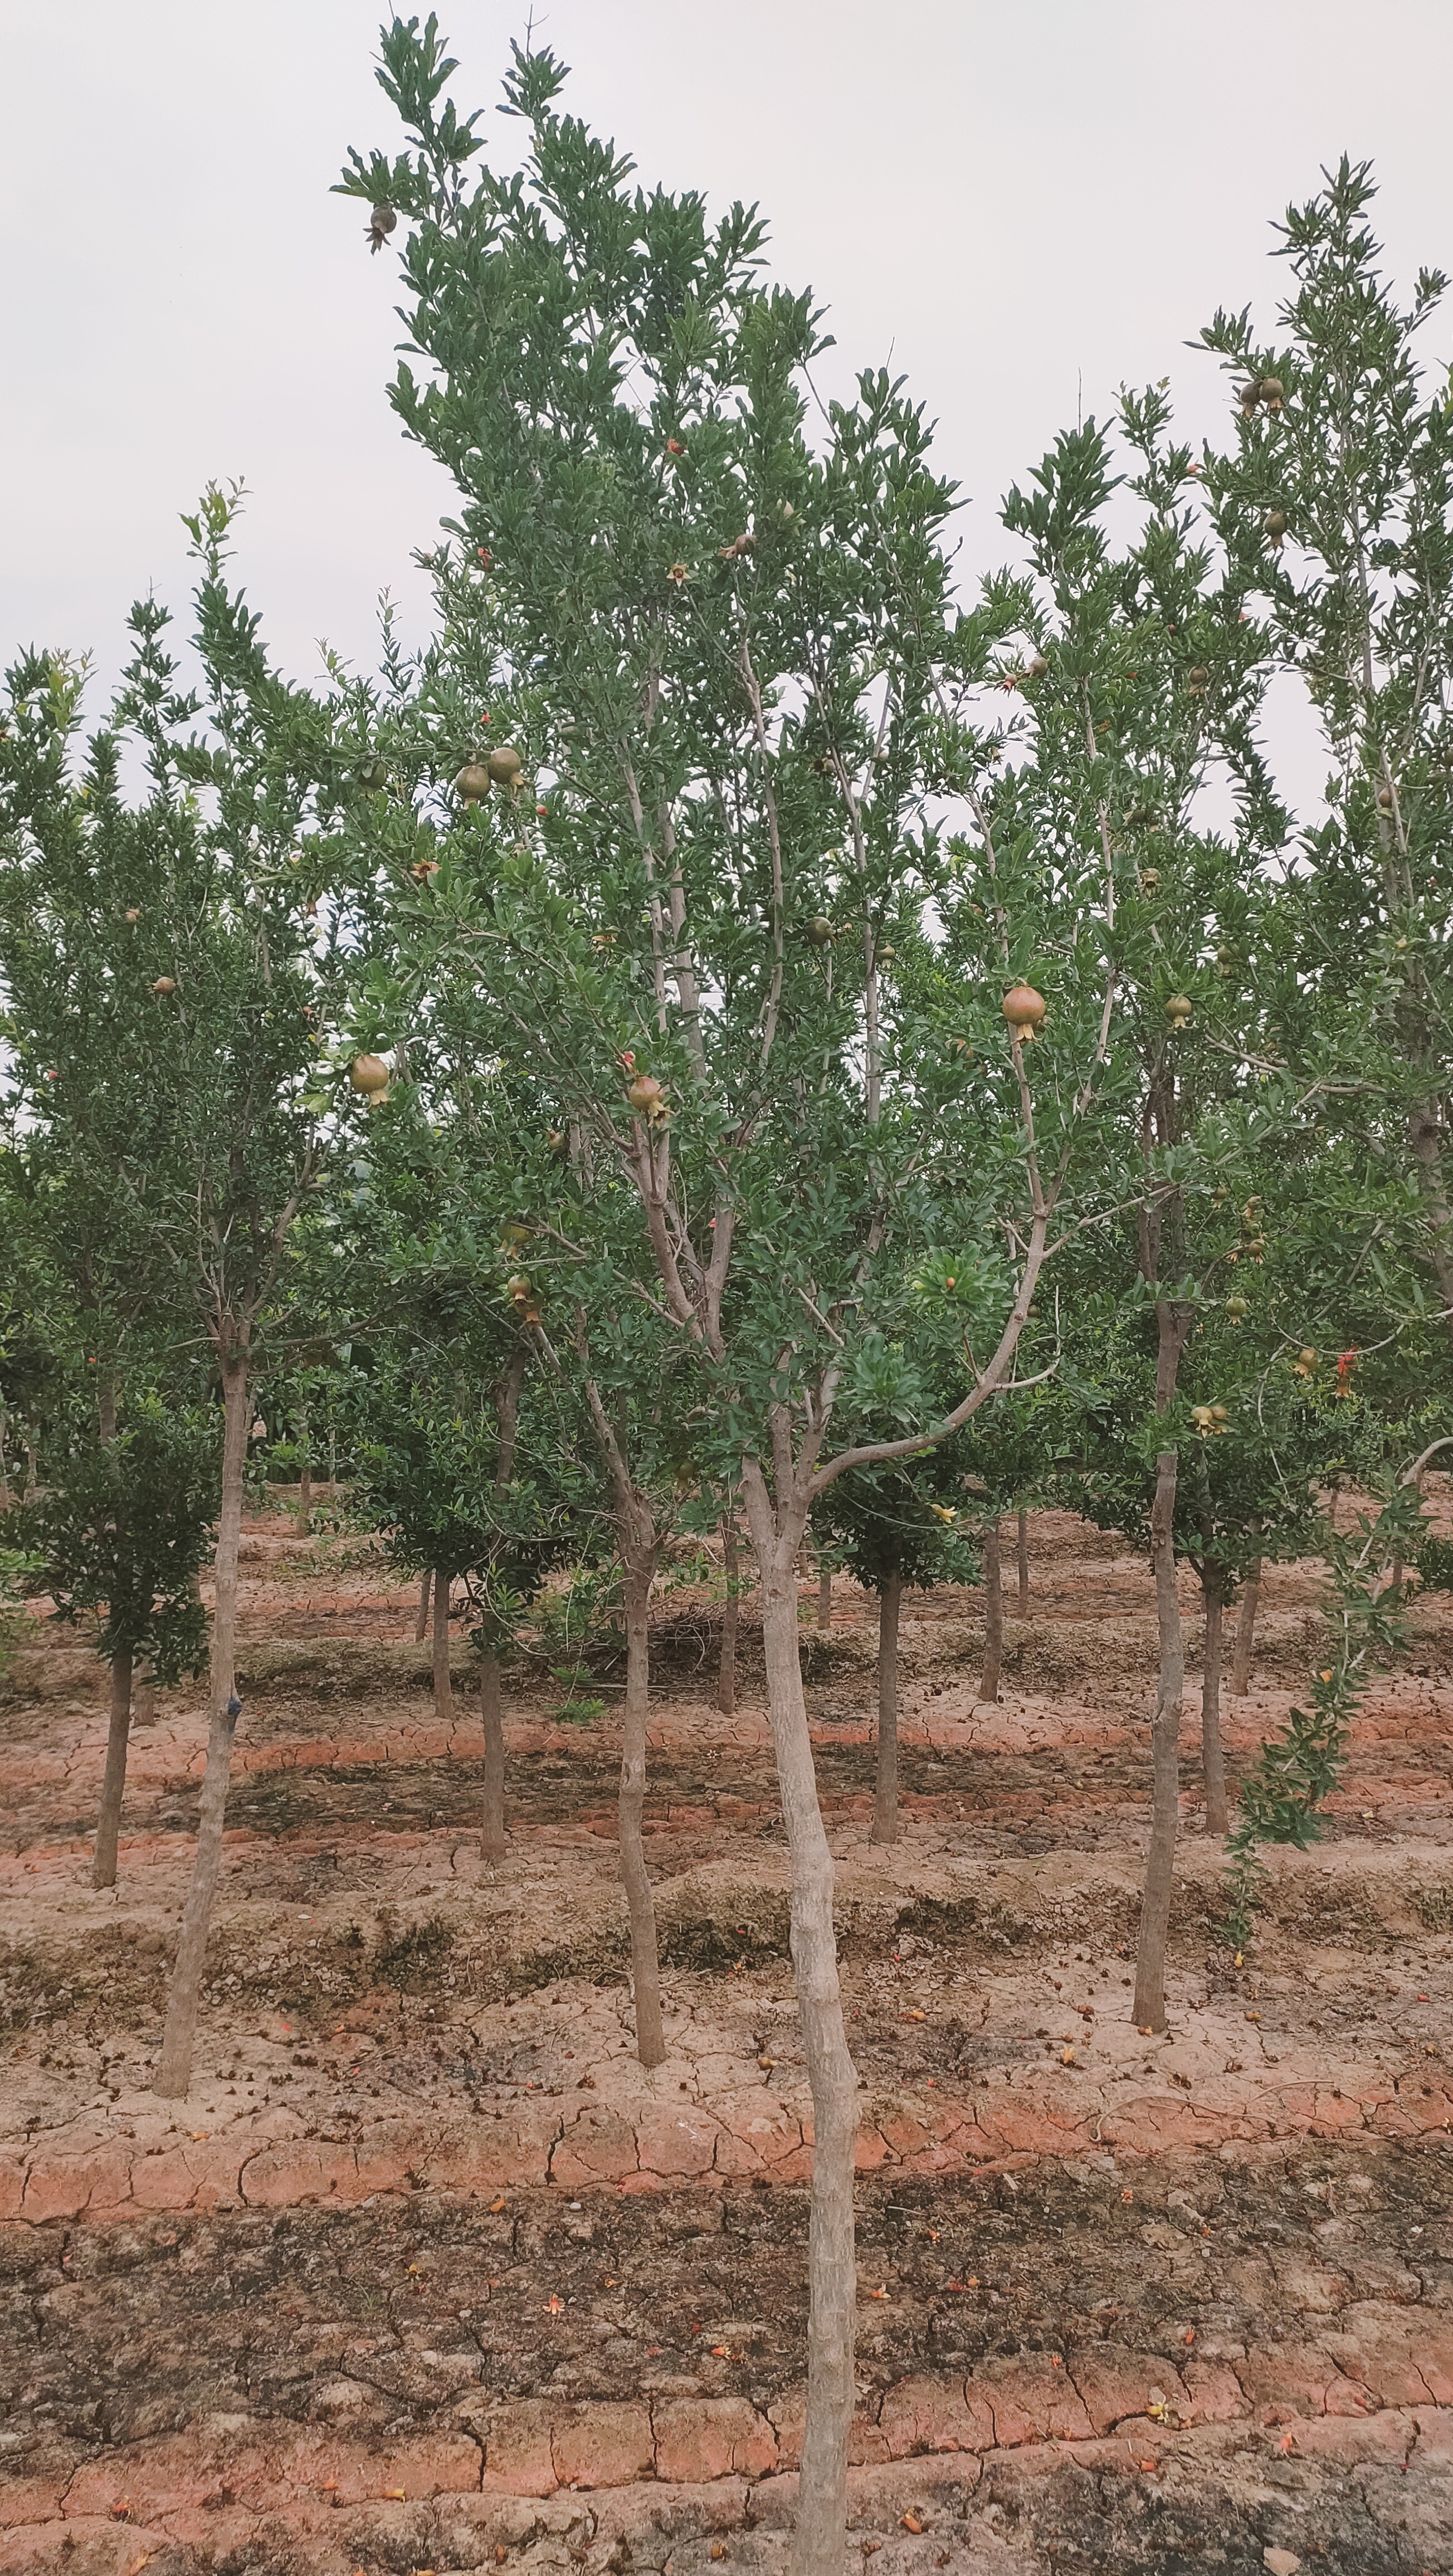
[305,1484]
[421,1616]
[824,1592]
[993,1616]
[726,1680]
[494,1758]
[1165,1746]
[885,1792]
[4,1470]
[143,1698]
[1023,1537]
[1245,1631]
[1213,1761]
[443,1691]
[103,1868]
[640,1903]
[32,1473]
[174,2071]
[819,2541]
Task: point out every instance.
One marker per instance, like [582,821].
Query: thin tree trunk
[819,2541]
[443,1690]
[640,1902]
[726,1679]
[143,1698]
[494,1758]
[32,1477]
[824,1591]
[1165,1744]
[1213,1760]
[885,1791]
[1245,1631]
[1023,1537]
[103,1868]
[5,1496]
[305,1484]
[174,2070]
[993,1616]
[421,1615]
[106,1410]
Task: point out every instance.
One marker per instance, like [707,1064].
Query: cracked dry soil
[1187,2304]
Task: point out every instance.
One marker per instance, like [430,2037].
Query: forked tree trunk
[640,1902]
[1213,1760]
[443,1690]
[1165,1744]
[726,1679]
[1245,1631]
[421,1615]
[993,1616]
[885,1790]
[824,1592]
[1023,1538]
[103,1868]
[174,2070]
[494,1758]
[819,2544]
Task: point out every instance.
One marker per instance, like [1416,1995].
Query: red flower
[674,447]
[484,554]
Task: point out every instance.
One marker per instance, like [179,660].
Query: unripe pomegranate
[473,781]
[374,775]
[1272,392]
[1196,678]
[1039,667]
[1178,1010]
[1236,1307]
[1023,1008]
[518,1288]
[505,765]
[645,1094]
[134,914]
[1150,879]
[165,984]
[820,931]
[1275,524]
[1386,799]
[370,1075]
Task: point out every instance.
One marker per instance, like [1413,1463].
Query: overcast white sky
[1019,204]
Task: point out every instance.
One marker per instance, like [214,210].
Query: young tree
[120,1535]
[896,1528]
[1336,507]
[687,867]
[207,988]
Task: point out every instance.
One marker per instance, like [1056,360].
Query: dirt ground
[427,2274]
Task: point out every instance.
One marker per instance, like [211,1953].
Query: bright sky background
[1022,206]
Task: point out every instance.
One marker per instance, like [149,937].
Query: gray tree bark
[1213,1760]
[993,1616]
[640,1901]
[726,1679]
[819,2540]
[443,1687]
[108,1829]
[1245,1631]
[494,1758]
[1023,1538]
[885,1790]
[1165,1747]
[421,1615]
[174,2069]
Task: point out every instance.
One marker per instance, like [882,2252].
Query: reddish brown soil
[428,2274]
